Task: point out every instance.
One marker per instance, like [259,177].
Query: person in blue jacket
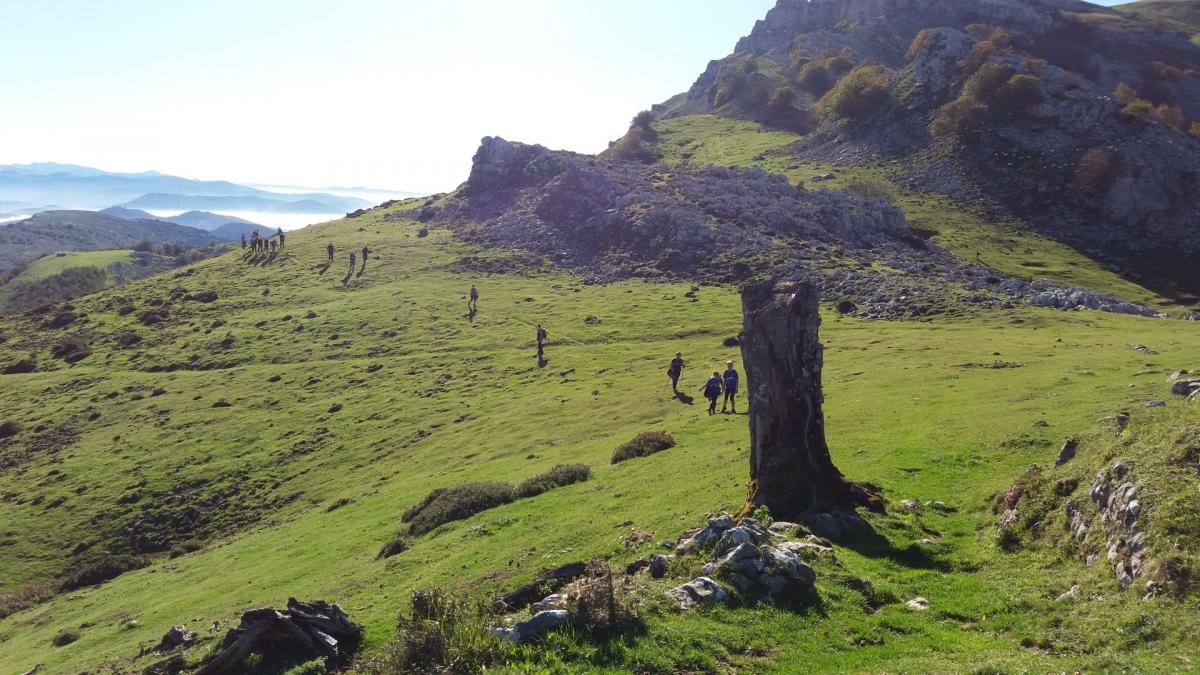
[712,392]
[730,379]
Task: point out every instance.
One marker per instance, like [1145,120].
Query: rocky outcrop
[302,632]
[1115,495]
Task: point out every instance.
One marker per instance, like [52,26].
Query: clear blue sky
[385,93]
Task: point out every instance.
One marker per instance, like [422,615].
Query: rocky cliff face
[617,219]
[1072,163]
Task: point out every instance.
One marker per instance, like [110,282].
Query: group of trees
[994,92]
[1165,114]
[183,255]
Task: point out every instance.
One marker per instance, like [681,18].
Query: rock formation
[302,632]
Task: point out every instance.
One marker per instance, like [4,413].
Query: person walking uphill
[712,392]
[675,370]
[541,340]
[473,298]
[281,239]
[730,379]
[329,249]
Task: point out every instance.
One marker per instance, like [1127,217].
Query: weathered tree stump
[791,471]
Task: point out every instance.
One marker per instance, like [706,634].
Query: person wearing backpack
[730,380]
[712,392]
[329,250]
[541,339]
[473,298]
[675,370]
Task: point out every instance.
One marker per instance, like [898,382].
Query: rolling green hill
[264,443]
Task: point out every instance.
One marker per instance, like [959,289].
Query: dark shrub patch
[21,367]
[126,340]
[563,474]
[65,638]
[19,601]
[222,403]
[60,320]
[732,341]
[344,501]
[449,504]
[398,545]
[203,296]
[643,445]
[99,569]
[9,429]
[185,547]
[154,316]
[71,352]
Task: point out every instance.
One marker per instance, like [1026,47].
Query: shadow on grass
[866,541]
[684,398]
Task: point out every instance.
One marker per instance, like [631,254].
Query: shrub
[643,119]
[1019,94]
[816,77]
[19,601]
[64,638]
[99,569]
[1125,94]
[986,84]
[8,429]
[1194,130]
[869,188]
[604,604]
[962,120]
[445,632]
[918,42]
[782,103]
[1169,116]
[145,246]
[21,367]
[1139,109]
[1166,71]
[861,92]
[643,445]
[398,545]
[1095,171]
[635,146]
[458,503]
[559,476]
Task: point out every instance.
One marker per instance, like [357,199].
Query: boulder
[535,627]
[302,632]
[918,604]
[1067,452]
[555,601]
[1185,387]
[707,536]
[658,566]
[697,592]
[178,636]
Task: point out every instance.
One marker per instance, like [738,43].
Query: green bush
[861,92]
[64,638]
[962,120]
[559,476]
[643,445]
[1194,130]
[398,545]
[637,145]
[816,77]
[458,503]
[918,42]
[1139,109]
[445,633]
[782,103]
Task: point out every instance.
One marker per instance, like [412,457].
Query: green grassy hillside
[50,265]
[220,444]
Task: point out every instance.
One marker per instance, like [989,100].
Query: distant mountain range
[52,231]
[31,187]
[227,228]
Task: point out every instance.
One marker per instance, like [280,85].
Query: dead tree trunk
[790,469]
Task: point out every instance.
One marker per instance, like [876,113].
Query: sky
[392,94]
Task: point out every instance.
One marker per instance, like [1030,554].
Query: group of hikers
[366,251]
[261,244]
[719,384]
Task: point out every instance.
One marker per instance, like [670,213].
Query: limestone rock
[699,591]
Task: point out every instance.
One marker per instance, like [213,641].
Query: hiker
[280,235]
[712,392]
[353,257]
[272,246]
[730,379]
[541,339]
[675,370]
[473,298]
[329,250]
[243,241]
[365,251]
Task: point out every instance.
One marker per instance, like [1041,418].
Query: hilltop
[53,231]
